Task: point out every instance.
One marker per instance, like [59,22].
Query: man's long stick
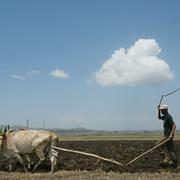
[160,144]
[172,92]
[168,95]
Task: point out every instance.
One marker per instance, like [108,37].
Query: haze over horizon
[93,64]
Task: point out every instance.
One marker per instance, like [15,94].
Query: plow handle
[160,144]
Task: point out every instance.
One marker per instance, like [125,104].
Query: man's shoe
[165,162]
[173,164]
[161,154]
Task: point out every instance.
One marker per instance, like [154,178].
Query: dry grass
[86,175]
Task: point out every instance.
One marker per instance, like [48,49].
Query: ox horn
[5,129]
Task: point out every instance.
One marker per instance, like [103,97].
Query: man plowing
[167,149]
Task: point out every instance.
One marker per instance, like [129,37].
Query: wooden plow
[124,167]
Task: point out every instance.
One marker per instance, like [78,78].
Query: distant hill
[78,131]
[72,131]
[84,131]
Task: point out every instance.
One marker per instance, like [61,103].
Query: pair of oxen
[25,145]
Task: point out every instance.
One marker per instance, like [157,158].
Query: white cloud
[18,77]
[139,64]
[34,72]
[59,74]
[27,75]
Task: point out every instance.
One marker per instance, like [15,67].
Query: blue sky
[97,64]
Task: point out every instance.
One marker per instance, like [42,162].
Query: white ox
[27,143]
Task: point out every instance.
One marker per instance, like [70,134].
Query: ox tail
[53,153]
[54,142]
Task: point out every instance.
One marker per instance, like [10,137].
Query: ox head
[3,135]
[6,129]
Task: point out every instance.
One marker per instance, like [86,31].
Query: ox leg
[53,158]
[39,163]
[28,159]
[10,167]
[40,155]
[18,157]
[12,164]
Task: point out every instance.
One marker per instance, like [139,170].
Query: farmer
[167,149]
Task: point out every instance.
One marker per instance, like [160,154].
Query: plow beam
[91,155]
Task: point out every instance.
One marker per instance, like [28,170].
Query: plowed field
[122,151]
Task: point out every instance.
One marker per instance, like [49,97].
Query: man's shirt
[167,123]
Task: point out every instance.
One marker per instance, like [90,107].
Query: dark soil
[121,151]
